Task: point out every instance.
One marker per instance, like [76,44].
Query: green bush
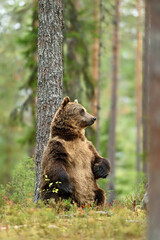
[21,185]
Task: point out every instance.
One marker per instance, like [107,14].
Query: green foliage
[21,184]
[28,41]
[12,74]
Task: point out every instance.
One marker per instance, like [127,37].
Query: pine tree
[139,85]
[145,86]
[153,45]
[95,68]
[113,108]
[50,74]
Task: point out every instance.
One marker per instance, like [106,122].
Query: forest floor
[66,221]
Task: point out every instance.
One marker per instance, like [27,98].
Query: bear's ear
[65,101]
[75,101]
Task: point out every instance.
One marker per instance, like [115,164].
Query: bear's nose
[94,119]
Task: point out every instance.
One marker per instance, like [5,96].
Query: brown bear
[70,163]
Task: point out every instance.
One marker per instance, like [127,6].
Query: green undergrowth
[67,221]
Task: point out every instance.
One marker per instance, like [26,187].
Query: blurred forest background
[102,56]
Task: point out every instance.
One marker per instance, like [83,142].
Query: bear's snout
[93,120]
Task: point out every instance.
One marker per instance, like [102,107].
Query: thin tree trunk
[154,121]
[74,86]
[99,74]
[95,68]
[33,77]
[77,4]
[113,109]
[145,98]
[50,74]
[145,86]
[95,55]
[139,86]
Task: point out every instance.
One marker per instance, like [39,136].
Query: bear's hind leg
[99,197]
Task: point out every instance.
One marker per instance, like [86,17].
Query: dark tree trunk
[145,98]
[154,121]
[139,86]
[73,86]
[33,77]
[76,55]
[50,74]
[113,109]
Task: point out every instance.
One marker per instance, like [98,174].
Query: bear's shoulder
[54,150]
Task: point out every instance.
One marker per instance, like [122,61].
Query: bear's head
[71,115]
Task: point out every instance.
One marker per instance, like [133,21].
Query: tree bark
[50,74]
[95,68]
[154,121]
[77,4]
[145,86]
[73,86]
[139,86]
[113,108]
[99,74]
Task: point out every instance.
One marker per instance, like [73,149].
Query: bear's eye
[82,112]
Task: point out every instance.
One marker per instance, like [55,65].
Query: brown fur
[70,163]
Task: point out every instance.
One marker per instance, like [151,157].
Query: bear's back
[78,166]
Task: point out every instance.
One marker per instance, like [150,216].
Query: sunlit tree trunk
[99,74]
[113,108]
[139,85]
[77,4]
[50,74]
[95,68]
[96,65]
[154,121]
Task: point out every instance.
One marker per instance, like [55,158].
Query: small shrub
[21,185]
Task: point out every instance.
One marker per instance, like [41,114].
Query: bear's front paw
[99,171]
[64,186]
[66,189]
[102,169]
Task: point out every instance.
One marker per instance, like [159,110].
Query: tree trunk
[33,77]
[113,109]
[95,68]
[139,86]
[145,86]
[50,74]
[154,121]
[73,86]
[99,74]
[77,4]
